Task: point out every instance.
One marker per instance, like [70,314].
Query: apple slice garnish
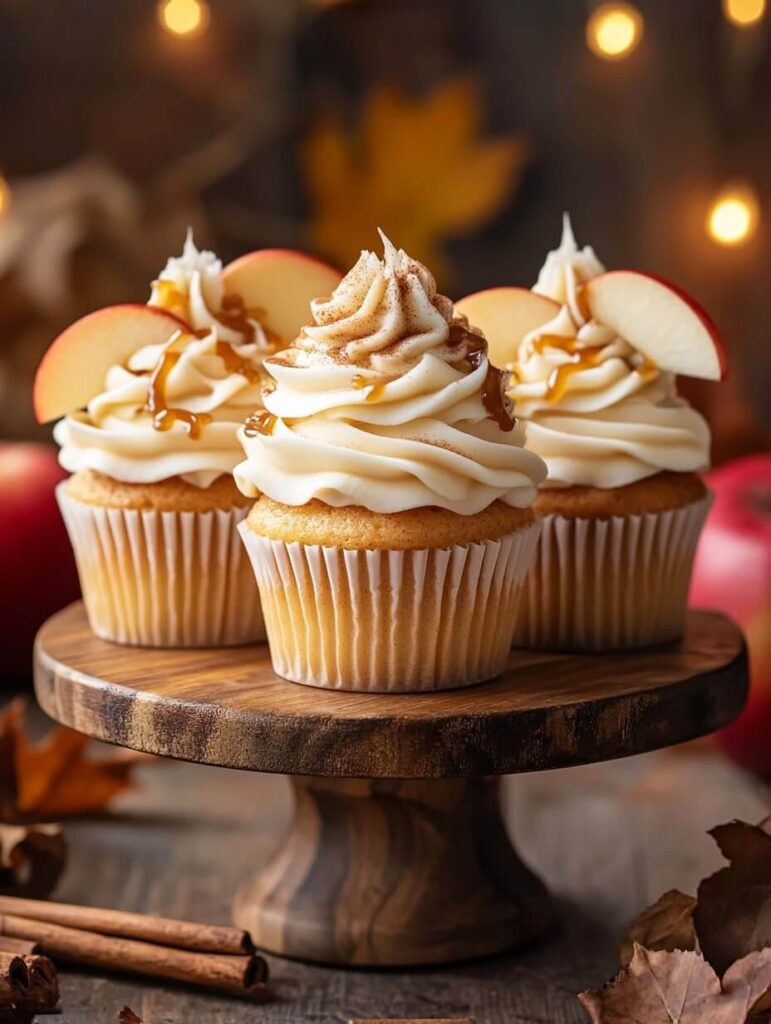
[661,321]
[505,316]
[277,285]
[74,367]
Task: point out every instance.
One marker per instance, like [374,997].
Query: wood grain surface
[608,839]
[226,707]
[392,873]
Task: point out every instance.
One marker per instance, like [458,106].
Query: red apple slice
[505,316]
[660,320]
[73,369]
[278,284]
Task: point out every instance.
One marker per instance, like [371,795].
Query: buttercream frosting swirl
[388,402]
[597,411]
[210,385]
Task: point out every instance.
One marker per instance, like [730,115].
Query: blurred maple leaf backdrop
[463,127]
[418,168]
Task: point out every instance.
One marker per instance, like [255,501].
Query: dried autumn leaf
[54,778]
[418,168]
[667,925]
[32,858]
[733,914]
[127,1016]
[680,988]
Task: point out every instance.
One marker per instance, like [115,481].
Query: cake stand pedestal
[397,854]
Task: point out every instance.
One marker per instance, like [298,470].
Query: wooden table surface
[607,838]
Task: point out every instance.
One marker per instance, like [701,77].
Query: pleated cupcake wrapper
[393,621]
[163,579]
[603,584]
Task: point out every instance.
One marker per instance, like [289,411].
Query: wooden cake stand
[397,854]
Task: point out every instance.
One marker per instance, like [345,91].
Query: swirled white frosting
[597,412]
[117,435]
[190,286]
[378,405]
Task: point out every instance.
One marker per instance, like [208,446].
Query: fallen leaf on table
[54,778]
[32,858]
[667,925]
[733,913]
[680,988]
[127,1016]
[417,167]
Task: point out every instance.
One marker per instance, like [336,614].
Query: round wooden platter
[226,706]
[397,853]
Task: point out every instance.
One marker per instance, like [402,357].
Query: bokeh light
[613,31]
[5,195]
[184,17]
[733,216]
[744,12]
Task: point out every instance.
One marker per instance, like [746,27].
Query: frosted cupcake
[152,508]
[622,506]
[395,524]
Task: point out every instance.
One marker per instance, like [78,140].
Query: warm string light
[184,17]
[613,31]
[733,216]
[5,195]
[744,13]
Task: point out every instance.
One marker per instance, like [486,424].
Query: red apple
[733,574]
[505,316]
[37,568]
[278,285]
[73,369]
[661,321]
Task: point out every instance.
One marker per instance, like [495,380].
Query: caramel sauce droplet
[493,397]
[165,417]
[262,422]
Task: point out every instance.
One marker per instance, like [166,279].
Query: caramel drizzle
[260,423]
[164,417]
[169,296]
[234,363]
[493,386]
[235,315]
[588,359]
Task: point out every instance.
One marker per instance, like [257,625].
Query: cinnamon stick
[242,975]
[19,946]
[28,985]
[14,978]
[164,931]
[42,993]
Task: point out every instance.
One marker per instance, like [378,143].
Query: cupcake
[153,397]
[393,526]
[594,358]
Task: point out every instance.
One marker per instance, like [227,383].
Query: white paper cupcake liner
[163,579]
[604,584]
[390,621]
